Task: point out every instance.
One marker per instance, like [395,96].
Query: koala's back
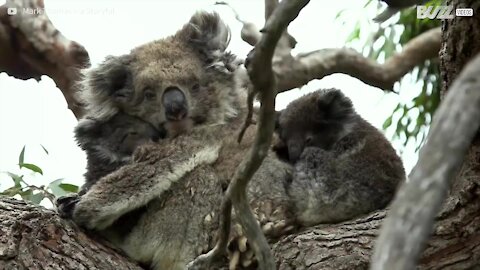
[359,175]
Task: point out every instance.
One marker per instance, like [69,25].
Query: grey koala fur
[109,144]
[174,221]
[162,208]
[193,61]
[343,166]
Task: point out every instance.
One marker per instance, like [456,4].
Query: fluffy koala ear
[111,76]
[107,84]
[334,104]
[206,31]
[86,130]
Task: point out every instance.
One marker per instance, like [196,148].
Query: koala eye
[149,94]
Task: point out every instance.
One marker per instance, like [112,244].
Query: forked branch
[261,73]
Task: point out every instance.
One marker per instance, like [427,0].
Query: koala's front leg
[66,204]
[135,185]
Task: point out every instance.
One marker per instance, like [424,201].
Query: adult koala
[162,209]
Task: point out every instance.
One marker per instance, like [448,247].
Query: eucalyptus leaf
[17,179]
[10,192]
[54,186]
[31,167]
[21,157]
[69,188]
[44,149]
[35,198]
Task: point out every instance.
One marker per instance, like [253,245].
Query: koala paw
[65,205]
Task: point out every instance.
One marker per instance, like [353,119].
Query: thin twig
[237,16]
[248,120]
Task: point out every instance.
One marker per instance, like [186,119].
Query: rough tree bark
[32,237]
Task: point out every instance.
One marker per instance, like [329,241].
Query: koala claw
[66,204]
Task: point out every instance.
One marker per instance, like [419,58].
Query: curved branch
[410,222]
[263,80]
[249,33]
[298,71]
[30,46]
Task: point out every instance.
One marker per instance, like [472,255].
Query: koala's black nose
[175,103]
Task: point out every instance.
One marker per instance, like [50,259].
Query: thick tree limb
[30,46]
[294,72]
[303,68]
[412,214]
[286,42]
[454,245]
[33,237]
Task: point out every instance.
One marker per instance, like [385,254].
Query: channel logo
[11,11]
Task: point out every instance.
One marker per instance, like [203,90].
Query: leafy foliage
[410,119]
[32,193]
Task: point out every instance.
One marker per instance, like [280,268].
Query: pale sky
[35,113]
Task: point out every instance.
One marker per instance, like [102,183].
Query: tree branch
[260,71]
[263,80]
[32,237]
[249,32]
[411,218]
[303,68]
[30,46]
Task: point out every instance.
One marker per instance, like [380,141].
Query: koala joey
[110,144]
[343,166]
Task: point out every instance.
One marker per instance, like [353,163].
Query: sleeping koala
[344,167]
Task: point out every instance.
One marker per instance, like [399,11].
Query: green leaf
[69,187]
[10,192]
[56,182]
[31,167]
[355,33]
[35,198]
[26,192]
[17,179]
[387,123]
[54,186]
[44,149]
[21,157]
[340,13]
